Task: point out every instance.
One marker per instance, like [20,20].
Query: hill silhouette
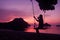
[16,24]
[58,25]
[46,24]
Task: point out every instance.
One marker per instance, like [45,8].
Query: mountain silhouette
[16,24]
[46,24]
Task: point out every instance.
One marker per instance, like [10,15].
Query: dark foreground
[17,35]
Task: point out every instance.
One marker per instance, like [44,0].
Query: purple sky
[10,9]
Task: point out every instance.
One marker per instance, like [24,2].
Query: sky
[10,9]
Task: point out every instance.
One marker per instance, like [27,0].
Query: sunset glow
[11,9]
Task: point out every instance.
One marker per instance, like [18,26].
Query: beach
[19,35]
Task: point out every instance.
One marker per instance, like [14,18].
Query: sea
[50,30]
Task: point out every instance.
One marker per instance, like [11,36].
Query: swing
[44,5]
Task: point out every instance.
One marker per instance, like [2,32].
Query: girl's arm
[35,18]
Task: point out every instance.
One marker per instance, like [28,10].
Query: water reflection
[52,30]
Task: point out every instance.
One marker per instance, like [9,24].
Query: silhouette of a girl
[40,20]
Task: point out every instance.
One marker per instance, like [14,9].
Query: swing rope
[44,14]
[33,11]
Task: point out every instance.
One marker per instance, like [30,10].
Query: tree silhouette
[47,4]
